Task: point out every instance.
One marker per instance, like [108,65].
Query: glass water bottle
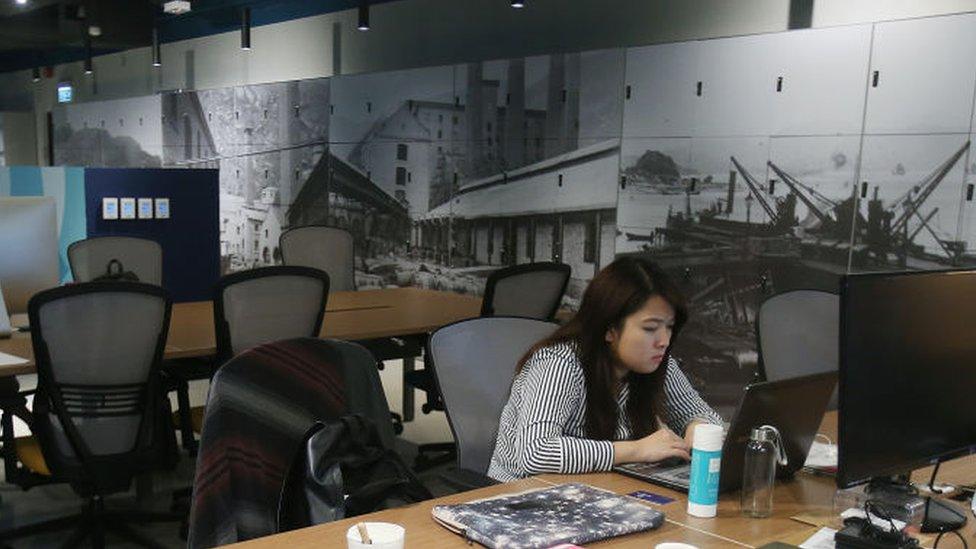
[763,451]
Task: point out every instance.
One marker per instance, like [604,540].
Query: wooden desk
[422,531]
[806,494]
[351,316]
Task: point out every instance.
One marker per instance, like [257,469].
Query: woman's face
[640,343]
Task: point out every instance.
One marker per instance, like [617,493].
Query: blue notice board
[190,236]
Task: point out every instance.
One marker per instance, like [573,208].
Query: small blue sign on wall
[66,92]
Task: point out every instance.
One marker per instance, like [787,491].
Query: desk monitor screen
[28,249]
[907,372]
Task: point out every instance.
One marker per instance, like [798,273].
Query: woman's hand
[690,431]
[661,444]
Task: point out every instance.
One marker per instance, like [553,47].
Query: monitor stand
[940,515]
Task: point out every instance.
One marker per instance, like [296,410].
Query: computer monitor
[28,249]
[907,372]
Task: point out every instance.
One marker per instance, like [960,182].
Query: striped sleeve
[551,391]
[682,403]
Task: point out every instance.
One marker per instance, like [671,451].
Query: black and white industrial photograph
[491,259]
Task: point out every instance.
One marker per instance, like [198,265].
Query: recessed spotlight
[518,3]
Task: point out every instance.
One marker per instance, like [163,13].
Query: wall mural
[123,133]
[747,166]
[416,164]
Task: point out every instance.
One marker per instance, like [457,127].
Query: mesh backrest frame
[103,406]
[225,344]
[89,258]
[797,333]
[474,365]
[501,280]
[329,249]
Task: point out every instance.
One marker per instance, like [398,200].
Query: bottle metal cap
[761,434]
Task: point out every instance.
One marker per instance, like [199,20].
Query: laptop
[794,406]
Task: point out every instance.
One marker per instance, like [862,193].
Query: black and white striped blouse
[542,426]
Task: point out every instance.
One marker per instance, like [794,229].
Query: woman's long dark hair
[616,292]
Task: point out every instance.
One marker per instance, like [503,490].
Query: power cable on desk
[956,532]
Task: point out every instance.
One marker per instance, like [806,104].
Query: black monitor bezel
[844,478]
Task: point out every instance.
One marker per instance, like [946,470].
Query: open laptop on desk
[794,406]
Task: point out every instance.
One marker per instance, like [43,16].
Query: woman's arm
[683,406]
[551,394]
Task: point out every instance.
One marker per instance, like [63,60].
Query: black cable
[878,509]
[956,532]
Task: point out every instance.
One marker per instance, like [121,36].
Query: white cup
[674,545]
[384,535]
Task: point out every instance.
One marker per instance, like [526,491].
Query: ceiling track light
[36,74]
[363,15]
[246,28]
[89,69]
[21,2]
[157,57]
[518,4]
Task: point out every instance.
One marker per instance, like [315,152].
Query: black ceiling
[46,25]
[48,32]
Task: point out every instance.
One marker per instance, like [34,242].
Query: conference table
[801,507]
[366,315]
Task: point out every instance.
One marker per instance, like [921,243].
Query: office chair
[262,305]
[476,362]
[89,258]
[261,404]
[268,304]
[328,249]
[332,249]
[533,290]
[797,334]
[97,347]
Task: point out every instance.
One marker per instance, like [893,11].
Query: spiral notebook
[566,513]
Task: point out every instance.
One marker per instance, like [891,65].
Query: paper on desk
[821,539]
[821,456]
[11,360]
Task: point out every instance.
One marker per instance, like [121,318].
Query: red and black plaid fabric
[261,404]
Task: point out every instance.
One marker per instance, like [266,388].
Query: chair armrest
[466,479]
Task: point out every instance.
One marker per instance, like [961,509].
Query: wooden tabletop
[349,315]
[800,507]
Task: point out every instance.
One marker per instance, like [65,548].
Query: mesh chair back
[268,304]
[89,258]
[97,347]
[798,335]
[328,249]
[475,364]
[533,290]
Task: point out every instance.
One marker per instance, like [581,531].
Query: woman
[602,389]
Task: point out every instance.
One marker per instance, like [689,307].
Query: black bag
[343,457]
[117,274]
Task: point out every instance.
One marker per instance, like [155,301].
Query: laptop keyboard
[679,473]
